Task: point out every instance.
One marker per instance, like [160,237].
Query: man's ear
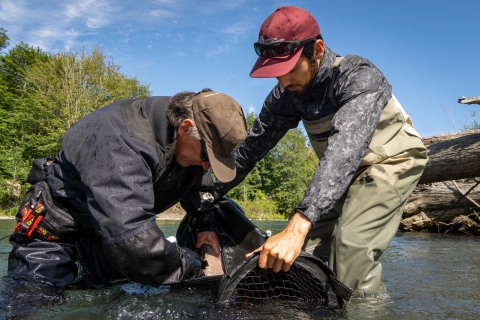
[184,127]
[319,49]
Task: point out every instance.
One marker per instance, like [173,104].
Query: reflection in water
[428,276]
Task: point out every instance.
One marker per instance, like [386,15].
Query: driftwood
[470,100]
[444,207]
[447,199]
[452,156]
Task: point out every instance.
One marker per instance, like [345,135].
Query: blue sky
[428,50]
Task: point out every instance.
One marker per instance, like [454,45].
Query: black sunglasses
[204,154]
[276,49]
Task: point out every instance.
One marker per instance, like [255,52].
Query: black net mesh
[94,270]
[260,284]
[309,280]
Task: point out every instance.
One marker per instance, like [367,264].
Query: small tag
[207,196]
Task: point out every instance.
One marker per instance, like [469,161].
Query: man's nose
[284,81]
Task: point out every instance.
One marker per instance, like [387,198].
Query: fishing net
[308,280]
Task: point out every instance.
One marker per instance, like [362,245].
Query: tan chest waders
[363,222]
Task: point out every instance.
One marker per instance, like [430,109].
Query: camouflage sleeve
[362,92]
[275,119]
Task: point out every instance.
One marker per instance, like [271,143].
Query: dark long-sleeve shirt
[361,92]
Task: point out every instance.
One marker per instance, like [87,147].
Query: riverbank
[168,216]
[174,213]
[162,216]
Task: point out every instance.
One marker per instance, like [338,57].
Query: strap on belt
[32,215]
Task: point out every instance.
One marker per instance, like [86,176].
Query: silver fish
[214,265]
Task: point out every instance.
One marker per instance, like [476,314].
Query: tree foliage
[41,96]
[278,181]
[4,40]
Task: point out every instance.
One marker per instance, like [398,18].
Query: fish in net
[308,280]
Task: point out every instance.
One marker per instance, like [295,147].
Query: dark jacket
[115,172]
[361,92]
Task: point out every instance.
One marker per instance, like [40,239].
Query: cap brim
[224,168]
[275,67]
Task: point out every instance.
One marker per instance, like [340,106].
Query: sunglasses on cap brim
[277,49]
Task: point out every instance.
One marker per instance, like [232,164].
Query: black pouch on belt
[40,215]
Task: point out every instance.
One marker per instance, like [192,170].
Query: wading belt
[42,217]
[33,213]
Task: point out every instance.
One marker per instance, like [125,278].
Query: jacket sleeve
[273,122]
[362,92]
[120,196]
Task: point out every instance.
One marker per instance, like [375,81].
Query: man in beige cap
[120,166]
[370,156]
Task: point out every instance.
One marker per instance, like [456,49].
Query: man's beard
[299,93]
[304,89]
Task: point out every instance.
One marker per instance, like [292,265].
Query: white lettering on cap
[268,41]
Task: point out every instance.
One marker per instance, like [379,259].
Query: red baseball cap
[285,24]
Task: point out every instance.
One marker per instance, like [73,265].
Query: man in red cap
[371,157]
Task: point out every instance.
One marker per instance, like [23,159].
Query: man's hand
[280,251]
[210,238]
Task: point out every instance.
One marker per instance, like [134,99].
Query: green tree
[278,181]
[15,64]
[247,189]
[75,84]
[14,166]
[68,86]
[4,40]
[293,165]
[41,96]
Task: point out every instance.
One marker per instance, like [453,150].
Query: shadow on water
[428,276]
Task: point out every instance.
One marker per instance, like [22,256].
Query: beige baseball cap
[221,124]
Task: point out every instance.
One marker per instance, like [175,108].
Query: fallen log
[439,203]
[452,156]
[446,207]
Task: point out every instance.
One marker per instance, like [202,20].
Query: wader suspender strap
[332,81]
[334,102]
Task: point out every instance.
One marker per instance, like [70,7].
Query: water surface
[428,276]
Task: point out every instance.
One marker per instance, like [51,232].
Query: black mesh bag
[309,279]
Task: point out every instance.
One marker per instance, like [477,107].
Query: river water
[428,276]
